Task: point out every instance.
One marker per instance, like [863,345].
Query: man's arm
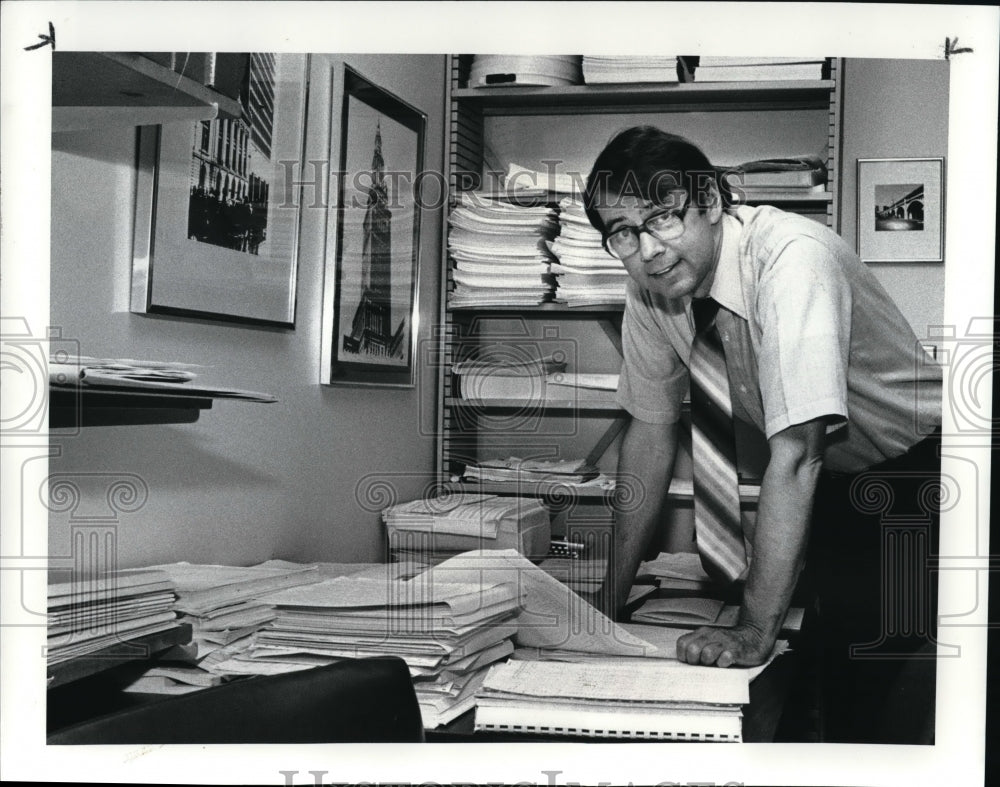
[779,549]
[645,467]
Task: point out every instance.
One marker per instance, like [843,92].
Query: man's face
[682,266]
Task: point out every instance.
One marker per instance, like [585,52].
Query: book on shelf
[762,72]
[629,69]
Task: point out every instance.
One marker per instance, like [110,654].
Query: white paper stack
[90,614]
[506,373]
[611,69]
[499,252]
[447,632]
[507,70]
[614,698]
[225,604]
[754,69]
[517,470]
[437,528]
[586,274]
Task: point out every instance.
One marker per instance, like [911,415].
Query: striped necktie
[718,531]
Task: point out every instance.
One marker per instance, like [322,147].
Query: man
[818,358]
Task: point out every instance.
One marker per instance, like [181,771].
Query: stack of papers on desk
[225,604]
[645,700]
[447,632]
[90,614]
[586,275]
[693,612]
[677,572]
[499,252]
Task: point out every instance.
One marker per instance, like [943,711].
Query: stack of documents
[505,70]
[614,698]
[506,373]
[697,611]
[578,574]
[225,604]
[585,273]
[438,528]
[447,632]
[677,572]
[514,469]
[499,252]
[598,69]
[795,175]
[91,614]
[583,386]
[753,69]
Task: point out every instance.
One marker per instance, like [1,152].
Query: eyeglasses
[663,225]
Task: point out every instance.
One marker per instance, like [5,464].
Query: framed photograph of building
[217,210]
[370,307]
[901,210]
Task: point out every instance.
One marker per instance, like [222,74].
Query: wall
[896,109]
[247,482]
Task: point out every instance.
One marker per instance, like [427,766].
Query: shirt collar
[726,286]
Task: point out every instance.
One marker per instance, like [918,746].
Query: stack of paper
[90,614]
[585,273]
[583,386]
[445,631]
[173,679]
[517,470]
[598,69]
[752,69]
[794,175]
[499,252]
[505,70]
[614,698]
[677,572]
[226,604]
[695,611]
[578,574]
[438,528]
[506,373]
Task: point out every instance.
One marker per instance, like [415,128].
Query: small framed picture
[370,301]
[901,210]
[217,220]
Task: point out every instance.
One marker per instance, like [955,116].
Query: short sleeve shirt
[808,333]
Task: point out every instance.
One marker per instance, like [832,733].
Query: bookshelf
[99,89]
[490,127]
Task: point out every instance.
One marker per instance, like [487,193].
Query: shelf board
[680,490]
[128,650]
[707,96]
[98,89]
[72,407]
[545,308]
[535,404]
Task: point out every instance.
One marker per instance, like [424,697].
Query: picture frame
[217,214]
[901,210]
[370,300]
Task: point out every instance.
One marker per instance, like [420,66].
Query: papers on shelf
[585,274]
[518,178]
[124,374]
[598,69]
[743,69]
[513,468]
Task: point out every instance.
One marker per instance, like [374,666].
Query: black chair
[352,701]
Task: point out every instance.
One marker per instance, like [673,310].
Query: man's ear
[714,210]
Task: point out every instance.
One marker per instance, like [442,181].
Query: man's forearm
[780,538]
[645,467]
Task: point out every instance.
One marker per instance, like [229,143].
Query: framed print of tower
[370,338]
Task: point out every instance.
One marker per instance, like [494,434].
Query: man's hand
[740,645]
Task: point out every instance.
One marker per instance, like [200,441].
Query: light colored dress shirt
[808,333]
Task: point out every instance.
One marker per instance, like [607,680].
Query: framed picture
[901,210]
[217,218]
[369,332]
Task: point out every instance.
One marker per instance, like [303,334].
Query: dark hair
[647,163]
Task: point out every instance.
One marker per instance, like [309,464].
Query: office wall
[247,482]
[896,109]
